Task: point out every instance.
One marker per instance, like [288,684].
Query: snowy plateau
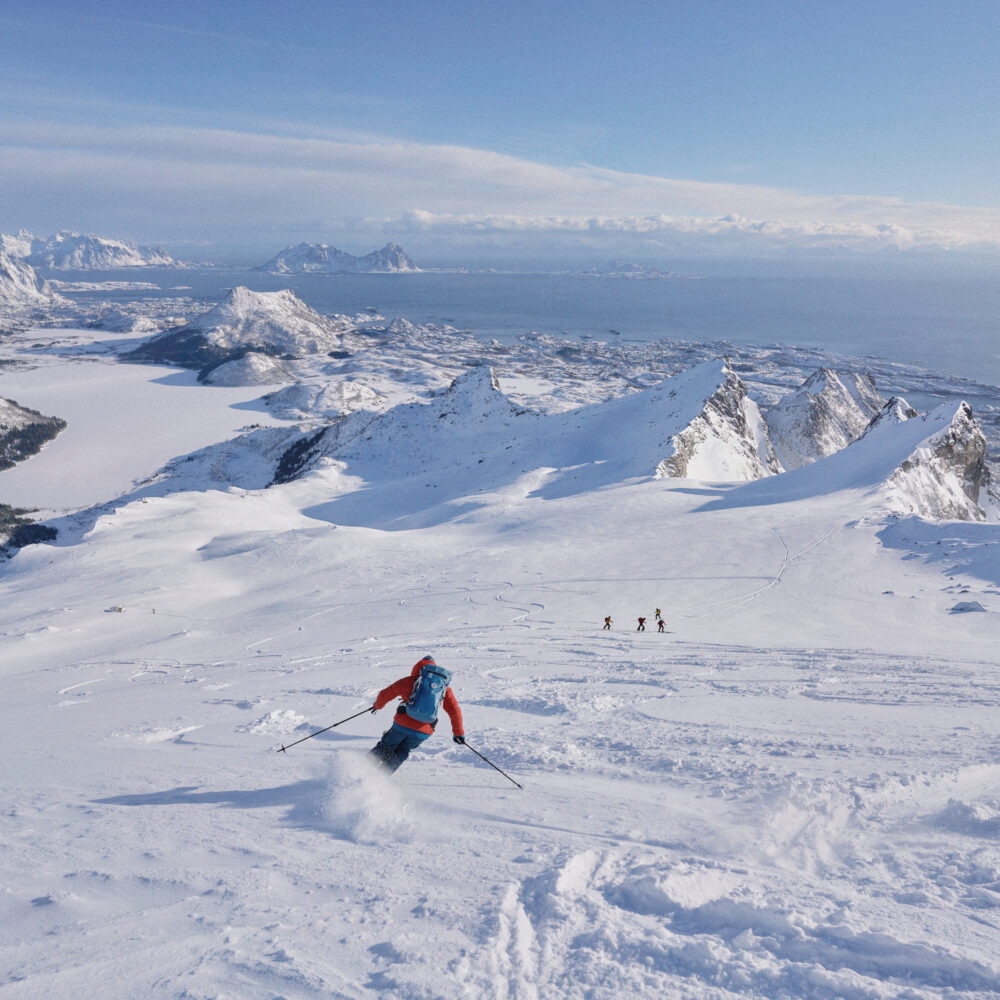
[265,515]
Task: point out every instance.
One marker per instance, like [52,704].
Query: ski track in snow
[758,865]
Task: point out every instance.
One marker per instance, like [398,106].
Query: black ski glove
[458,739]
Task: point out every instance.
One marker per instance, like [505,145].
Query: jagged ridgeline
[835,431]
[700,424]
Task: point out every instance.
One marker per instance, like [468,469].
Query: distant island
[625,269]
[318,258]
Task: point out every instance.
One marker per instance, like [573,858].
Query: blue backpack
[428,692]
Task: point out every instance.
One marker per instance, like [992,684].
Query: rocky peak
[947,473]
[825,414]
[895,410]
[727,440]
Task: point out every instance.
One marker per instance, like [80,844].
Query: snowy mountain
[67,250]
[21,289]
[276,324]
[826,414]
[318,258]
[19,245]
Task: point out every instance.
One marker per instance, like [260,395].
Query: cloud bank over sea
[259,189]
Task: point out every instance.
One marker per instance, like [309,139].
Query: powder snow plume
[362,804]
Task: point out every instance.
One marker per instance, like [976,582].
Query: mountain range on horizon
[69,250]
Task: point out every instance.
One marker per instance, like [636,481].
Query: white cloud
[158,183]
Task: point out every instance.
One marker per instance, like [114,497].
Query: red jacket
[403,688]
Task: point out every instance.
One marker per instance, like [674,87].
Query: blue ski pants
[395,746]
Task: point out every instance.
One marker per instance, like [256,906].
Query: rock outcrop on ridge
[727,440]
[930,465]
[946,475]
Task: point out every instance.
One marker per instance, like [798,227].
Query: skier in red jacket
[407,733]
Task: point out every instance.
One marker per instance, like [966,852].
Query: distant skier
[423,693]
[607,622]
[642,625]
[658,614]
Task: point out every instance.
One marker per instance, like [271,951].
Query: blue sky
[657,124]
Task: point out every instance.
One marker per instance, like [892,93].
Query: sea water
[943,316]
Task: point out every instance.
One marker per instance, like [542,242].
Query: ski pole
[488,761]
[364,711]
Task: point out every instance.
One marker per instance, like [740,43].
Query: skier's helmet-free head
[427,661]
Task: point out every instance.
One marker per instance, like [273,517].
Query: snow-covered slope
[826,414]
[318,258]
[253,368]
[791,792]
[270,323]
[319,401]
